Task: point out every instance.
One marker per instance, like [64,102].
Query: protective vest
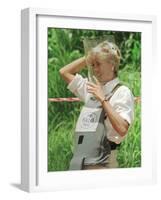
[91,145]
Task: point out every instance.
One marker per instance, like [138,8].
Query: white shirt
[122,102]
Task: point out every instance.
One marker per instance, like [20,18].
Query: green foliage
[64,46]
[129,153]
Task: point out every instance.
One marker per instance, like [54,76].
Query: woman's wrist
[102,100]
[83,62]
[78,65]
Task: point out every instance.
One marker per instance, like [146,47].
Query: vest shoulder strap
[114,90]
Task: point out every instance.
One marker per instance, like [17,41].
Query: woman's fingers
[91,88]
[91,84]
[96,80]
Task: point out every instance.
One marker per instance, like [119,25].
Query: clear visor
[91,44]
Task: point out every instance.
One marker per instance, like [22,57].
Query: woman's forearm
[118,123]
[68,71]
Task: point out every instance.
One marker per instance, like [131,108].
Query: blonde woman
[104,61]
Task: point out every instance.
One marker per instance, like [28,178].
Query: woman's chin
[101,79]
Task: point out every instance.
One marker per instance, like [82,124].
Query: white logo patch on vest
[88,119]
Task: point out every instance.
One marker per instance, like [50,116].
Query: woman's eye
[97,63]
[93,65]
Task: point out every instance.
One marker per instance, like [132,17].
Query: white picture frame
[34,176]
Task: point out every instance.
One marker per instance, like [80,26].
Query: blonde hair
[109,52]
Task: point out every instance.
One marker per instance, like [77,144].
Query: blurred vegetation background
[64,46]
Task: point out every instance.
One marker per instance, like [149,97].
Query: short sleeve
[78,86]
[123,103]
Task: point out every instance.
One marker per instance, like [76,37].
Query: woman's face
[101,68]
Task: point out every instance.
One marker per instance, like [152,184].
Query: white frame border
[29,149]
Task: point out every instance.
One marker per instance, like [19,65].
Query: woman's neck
[103,82]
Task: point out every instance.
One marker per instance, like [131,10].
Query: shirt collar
[109,86]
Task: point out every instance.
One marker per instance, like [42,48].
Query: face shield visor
[99,52]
